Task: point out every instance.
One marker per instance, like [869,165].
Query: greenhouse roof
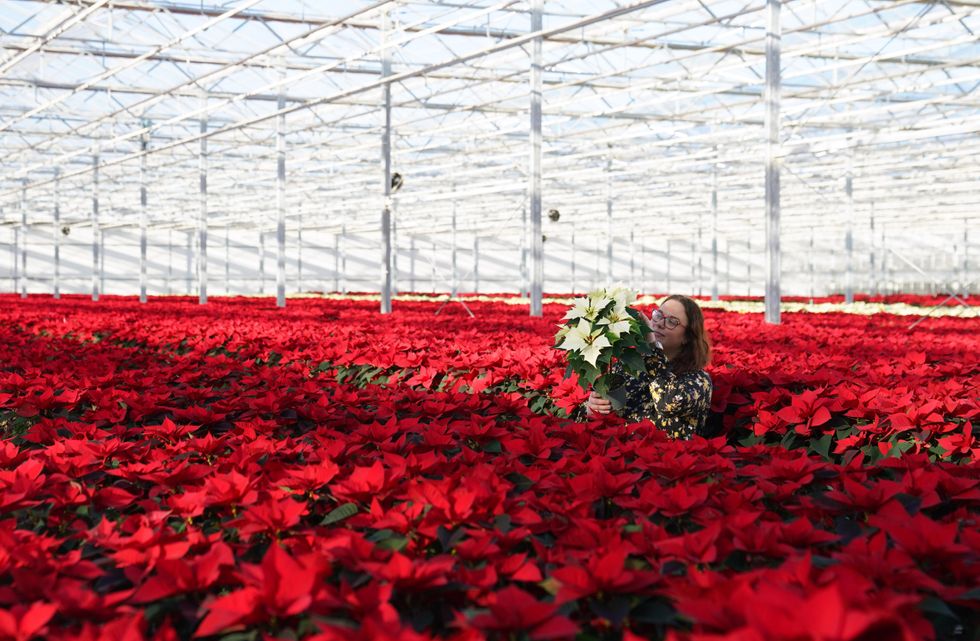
[649,109]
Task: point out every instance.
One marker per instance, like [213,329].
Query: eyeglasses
[670,321]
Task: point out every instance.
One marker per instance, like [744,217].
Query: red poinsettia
[279,587]
[514,610]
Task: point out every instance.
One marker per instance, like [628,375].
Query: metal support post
[610,276]
[693,259]
[572,242]
[748,266]
[190,260]
[728,267]
[261,263]
[95,227]
[227,261]
[597,271]
[476,264]
[343,260]
[813,263]
[874,249]
[964,286]
[411,263]
[102,253]
[336,262]
[15,256]
[23,239]
[435,255]
[56,240]
[202,221]
[773,82]
[394,248]
[386,172]
[849,235]
[632,282]
[281,203]
[170,260]
[534,188]
[714,233]
[885,265]
[525,284]
[144,143]
[643,269]
[454,267]
[697,271]
[299,253]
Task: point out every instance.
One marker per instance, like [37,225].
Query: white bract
[588,307]
[617,321]
[586,341]
[623,296]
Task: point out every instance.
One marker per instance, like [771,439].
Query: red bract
[25,621]
[175,576]
[807,411]
[362,484]
[405,574]
[604,572]
[514,610]
[279,587]
[270,516]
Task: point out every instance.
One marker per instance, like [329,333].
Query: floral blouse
[676,403]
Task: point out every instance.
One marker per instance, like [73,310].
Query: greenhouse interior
[490,320]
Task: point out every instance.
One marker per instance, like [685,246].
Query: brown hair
[696,351]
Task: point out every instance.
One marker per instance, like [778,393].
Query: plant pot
[617,397]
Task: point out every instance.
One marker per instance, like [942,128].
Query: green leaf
[379,535]
[789,440]
[972,595]
[633,361]
[340,513]
[590,375]
[502,522]
[601,386]
[935,605]
[899,448]
[521,482]
[654,611]
[539,403]
[627,340]
[750,440]
[250,635]
[394,543]
[822,445]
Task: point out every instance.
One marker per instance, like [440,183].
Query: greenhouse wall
[245,261]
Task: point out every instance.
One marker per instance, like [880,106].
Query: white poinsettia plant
[600,330]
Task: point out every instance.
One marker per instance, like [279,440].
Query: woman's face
[671,338]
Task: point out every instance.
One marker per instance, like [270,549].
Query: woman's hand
[597,405]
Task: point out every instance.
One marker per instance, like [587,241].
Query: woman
[675,391]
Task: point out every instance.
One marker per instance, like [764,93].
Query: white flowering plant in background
[600,330]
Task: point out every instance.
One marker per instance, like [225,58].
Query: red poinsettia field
[323,472]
